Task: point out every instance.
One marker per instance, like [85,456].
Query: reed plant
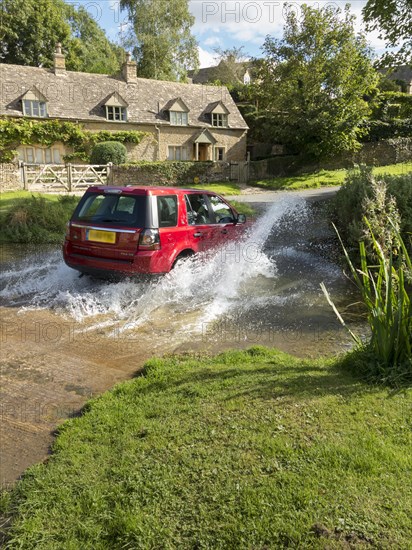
[385,289]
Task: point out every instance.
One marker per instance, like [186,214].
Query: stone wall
[380,153]
[10,179]
[170,173]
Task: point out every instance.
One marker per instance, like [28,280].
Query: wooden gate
[70,177]
[239,171]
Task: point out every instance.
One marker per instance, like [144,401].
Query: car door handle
[197,234]
[224,231]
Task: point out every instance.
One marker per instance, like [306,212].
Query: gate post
[109,177]
[23,175]
[69,177]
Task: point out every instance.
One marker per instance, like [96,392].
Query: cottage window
[178,118]
[219,120]
[40,155]
[177,152]
[119,114]
[219,153]
[32,107]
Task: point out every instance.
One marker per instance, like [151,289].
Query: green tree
[231,66]
[161,38]
[89,50]
[394,20]
[29,30]
[312,83]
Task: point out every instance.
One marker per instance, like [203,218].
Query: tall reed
[385,291]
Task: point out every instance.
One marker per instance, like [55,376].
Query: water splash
[197,291]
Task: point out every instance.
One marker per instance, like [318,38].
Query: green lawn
[325,178]
[225,188]
[251,449]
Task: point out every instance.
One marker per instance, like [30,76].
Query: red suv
[133,230]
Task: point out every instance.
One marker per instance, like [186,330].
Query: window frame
[30,155]
[211,214]
[175,148]
[175,115]
[222,201]
[29,106]
[220,120]
[114,110]
[219,148]
[158,199]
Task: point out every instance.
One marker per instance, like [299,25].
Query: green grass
[34,217]
[250,449]
[225,188]
[325,178]
[244,208]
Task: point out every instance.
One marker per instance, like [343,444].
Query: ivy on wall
[15,132]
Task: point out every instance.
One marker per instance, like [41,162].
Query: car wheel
[182,257]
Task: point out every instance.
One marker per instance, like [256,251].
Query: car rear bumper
[143,262]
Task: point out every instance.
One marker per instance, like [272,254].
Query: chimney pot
[59,66]
[129,69]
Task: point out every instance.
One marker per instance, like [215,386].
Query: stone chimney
[59,60]
[129,69]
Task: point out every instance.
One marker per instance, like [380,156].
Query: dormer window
[34,103]
[179,118]
[178,112]
[219,114]
[219,120]
[32,107]
[116,108]
[116,113]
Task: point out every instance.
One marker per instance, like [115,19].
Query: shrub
[351,203]
[108,151]
[377,130]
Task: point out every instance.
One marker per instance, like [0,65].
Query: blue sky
[223,23]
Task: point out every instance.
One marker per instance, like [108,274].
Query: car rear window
[102,208]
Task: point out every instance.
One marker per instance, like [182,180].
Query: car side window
[197,210]
[222,211]
[167,211]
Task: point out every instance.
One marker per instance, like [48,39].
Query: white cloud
[212,41]
[206,59]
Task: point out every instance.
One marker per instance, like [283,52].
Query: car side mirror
[241,218]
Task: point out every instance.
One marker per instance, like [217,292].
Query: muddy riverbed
[66,339]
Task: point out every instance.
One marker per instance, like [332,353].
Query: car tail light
[149,239]
[67,230]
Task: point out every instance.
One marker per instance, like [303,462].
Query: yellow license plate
[101,236]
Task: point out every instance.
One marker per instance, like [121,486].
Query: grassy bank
[41,217]
[325,178]
[34,217]
[249,449]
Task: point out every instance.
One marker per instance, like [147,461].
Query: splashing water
[199,290]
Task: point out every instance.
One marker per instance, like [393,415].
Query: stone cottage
[182,121]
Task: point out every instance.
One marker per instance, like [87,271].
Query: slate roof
[209,74]
[81,96]
[403,72]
